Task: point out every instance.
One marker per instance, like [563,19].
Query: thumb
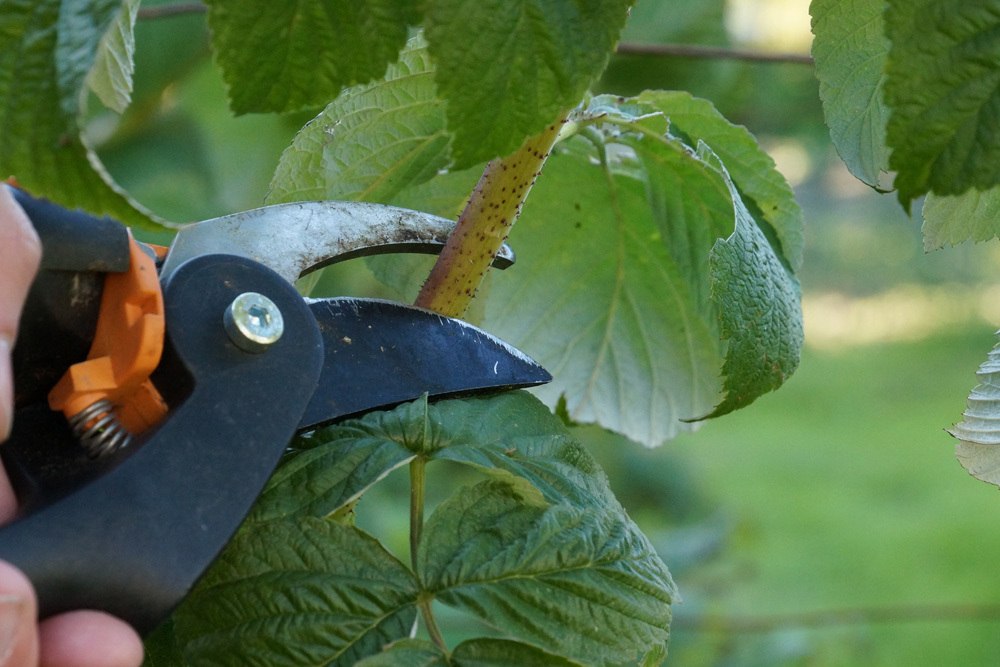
[18,622]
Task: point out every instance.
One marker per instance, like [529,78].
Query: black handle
[133,535]
[60,315]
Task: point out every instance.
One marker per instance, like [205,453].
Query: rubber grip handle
[75,240]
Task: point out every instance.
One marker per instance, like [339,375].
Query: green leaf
[978,433]
[111,76]
[511,436]
[599,298]
[372,141]
[952,219]
[295,593]
[759,305]
[761,187]
[284,56]
[510,67]
[409,652]
[583,583]
[943,85]
[486,652]
[47,48]
[489,652]
[850,50]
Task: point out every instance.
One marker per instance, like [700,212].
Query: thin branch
[168,11]
[711,53]
[718,623]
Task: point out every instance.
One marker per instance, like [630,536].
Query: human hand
[73,639]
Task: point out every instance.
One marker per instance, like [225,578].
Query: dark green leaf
[47,49]
[509,67]
[283,56]
[583,583]
[850,51]
[372,141]
[489,652]
[759,305]
[952,219]
[308,592]
[408,652]
[943,86]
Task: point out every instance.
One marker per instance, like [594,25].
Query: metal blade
[380,353]
[294,239]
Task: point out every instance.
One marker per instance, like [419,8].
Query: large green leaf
[509,67]
[978,433]
[283,56]
[372,141]
[47,49]
[598,298]
[508,436]
[850,49]
[619,291]
[943,86]
[583,583]
[297,593]
[952,219]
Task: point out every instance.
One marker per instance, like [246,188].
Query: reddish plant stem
[484,225]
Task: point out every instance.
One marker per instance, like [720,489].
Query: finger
[88,639]
[18,635]
[20,253]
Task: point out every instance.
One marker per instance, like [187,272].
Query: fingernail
[11,619]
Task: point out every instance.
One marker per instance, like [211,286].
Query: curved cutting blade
[380,353]
[294,239]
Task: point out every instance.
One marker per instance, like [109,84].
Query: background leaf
[583,583]
[285,56]
[978,433]
[47,49]
[508,68]
[952,219]
[372,141]
[850,49]
[111,76]
[294,593]
[943,86]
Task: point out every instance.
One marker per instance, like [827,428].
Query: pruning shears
[157,388]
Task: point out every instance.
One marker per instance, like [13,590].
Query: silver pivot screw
[253,322]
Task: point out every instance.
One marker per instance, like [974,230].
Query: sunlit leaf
[111,76]
[372,141]
[978,433]
[952,219]
[850,49]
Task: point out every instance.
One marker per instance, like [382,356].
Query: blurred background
[827,524]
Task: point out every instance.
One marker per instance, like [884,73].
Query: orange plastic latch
[127,346]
